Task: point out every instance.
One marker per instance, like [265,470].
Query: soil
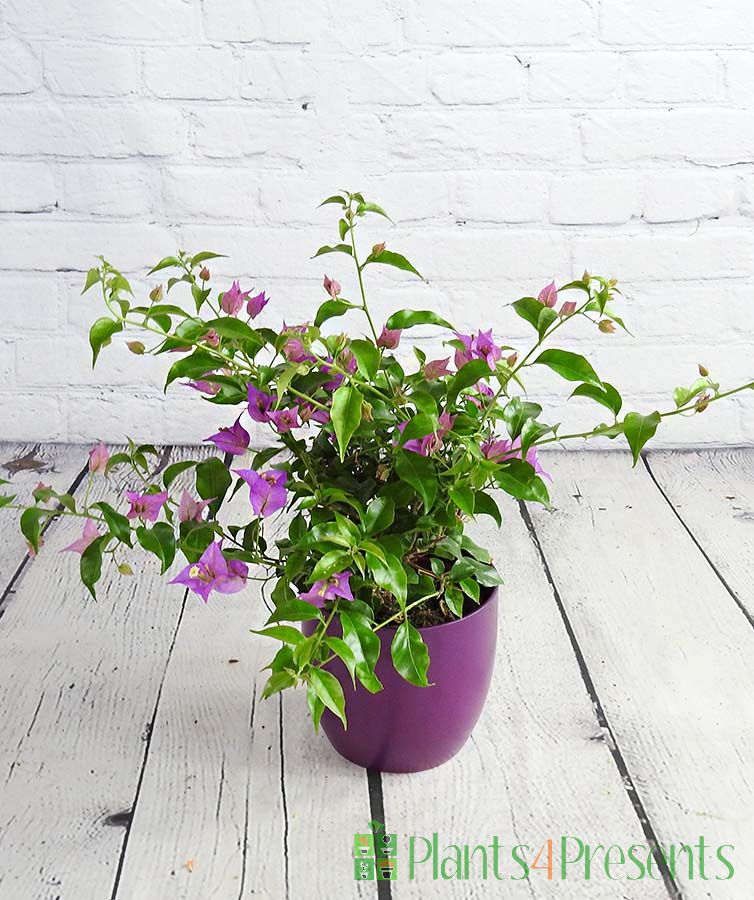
[432,612]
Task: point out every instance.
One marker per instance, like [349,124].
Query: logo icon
[375,854]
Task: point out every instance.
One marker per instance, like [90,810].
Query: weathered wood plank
[670,655]
[24,466]
[78,686]
[237,784]
[538,764]
[713,494]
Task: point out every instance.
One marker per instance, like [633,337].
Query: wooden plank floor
[137,762]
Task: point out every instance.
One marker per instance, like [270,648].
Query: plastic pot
[405,728]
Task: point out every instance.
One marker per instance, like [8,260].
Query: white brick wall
[512,141]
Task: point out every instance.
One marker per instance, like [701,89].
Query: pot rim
[488,599]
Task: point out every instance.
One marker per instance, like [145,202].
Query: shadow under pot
[405,728]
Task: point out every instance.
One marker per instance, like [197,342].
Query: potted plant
[382,605]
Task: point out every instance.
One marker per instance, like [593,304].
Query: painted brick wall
[512,141]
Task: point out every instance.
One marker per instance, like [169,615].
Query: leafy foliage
[379,461]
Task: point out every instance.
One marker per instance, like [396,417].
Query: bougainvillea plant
[376,468]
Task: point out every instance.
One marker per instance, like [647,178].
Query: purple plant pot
[405,728]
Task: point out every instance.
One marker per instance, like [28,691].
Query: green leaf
[212,481]
[336,248]
[330,562]
[204,255]
[330,309]
[175,469]
[336,198]
[639,429]
[372,208]
[230,327]
[159,540]
[419,472]
[92,278]
[6,499]
[466,376]
[367,357]
[529,309]
[118,524]
[199,363]
[483,573]
[516,413]
[546,317]
[418,427]
[316,707]
[519,479]
[328,689]
[365,644]
[410,654]
[341,649]
[486,505]
[606,395]
[389,575]
[396,260]
[463,497]
[570,366]
[346,415]
[379,515]
[31,525]
[167,262]
[100,335]
[294,611]
[408,318]
[286,633]
[90,565]
[276,683]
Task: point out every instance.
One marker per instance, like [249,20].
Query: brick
[32,302]
[649,22]
[573,78]
[230,193]
[200,73]
[93,19]
[62,244]
[739,77]
[122,189]
[680,196]
[483,23]
[707,136]
[27,187]
[680,77]
[94,70]
[722,254]
[37,416]
[396,80]
[282,75]
[501,197]
[20,70]
[467,138]
[284,23]
[85,130]
[475,78]
[586,199]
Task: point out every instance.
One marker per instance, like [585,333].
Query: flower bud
[125,569]
[204,273]
[155,295]
[703,370]
[331,286]
[606,326]
[568,308]
[136,347]
[389,338]
[98,458]
[586,277]
[212,338]
[512,360]
[378,249]
[702,403]
[366,412]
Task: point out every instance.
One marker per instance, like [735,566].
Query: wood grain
[251,794]
[538,764]
[669,652]
[78,685]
